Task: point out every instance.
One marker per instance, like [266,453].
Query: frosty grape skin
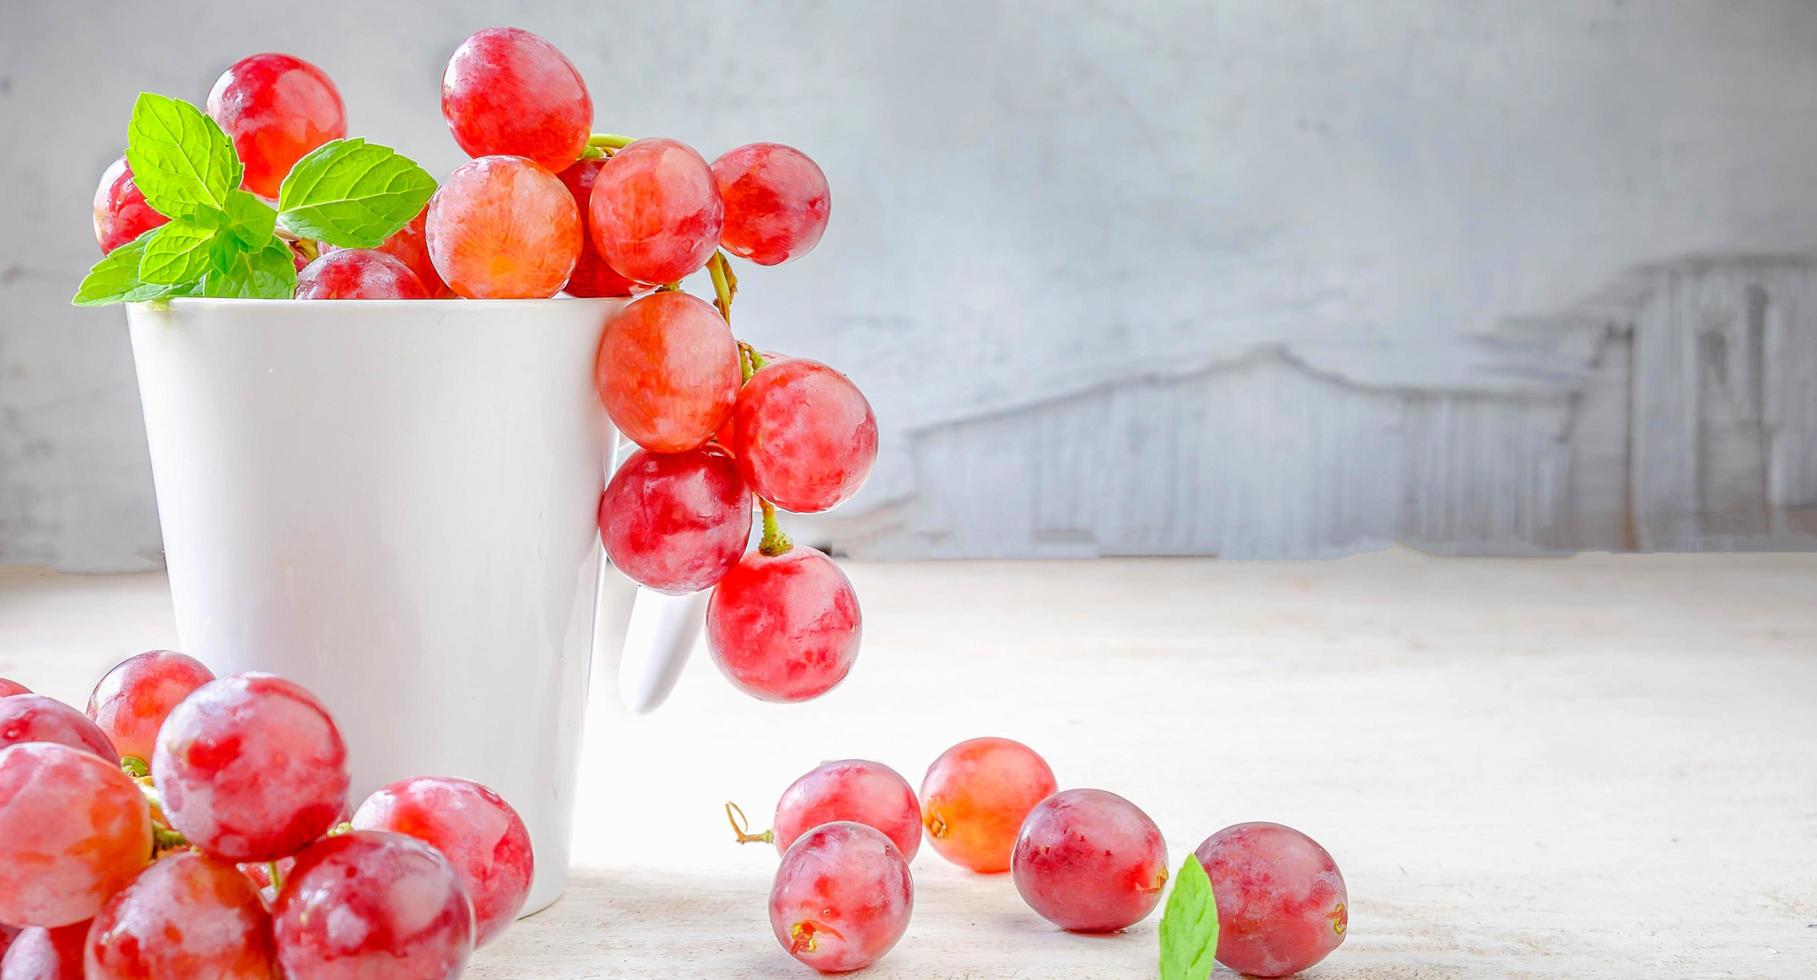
[841,898]
[655,211]
[36,718]
[667,371]
[675,522]
[131,701]
[804,436]
[482,837]
[592,276]
[10,688]
[1090,861]
[784,627]
[46,954]
[187,915]
[975,797]
[503,227]
[77,829]
[857,790]
[1282,906]
[776,202]
[251,768]
[358,273]
[410,245]
[509,91]
[120,211]
[276,108]
[372,904]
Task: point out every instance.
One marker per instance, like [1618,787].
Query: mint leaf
[250,220]
[115,279]
[1189,925]
[180,159]
[181,254]
[269,273]
[352,193]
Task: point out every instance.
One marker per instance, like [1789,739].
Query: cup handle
[658,639]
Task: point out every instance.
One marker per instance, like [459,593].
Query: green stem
[749,361]
[276,876]
[725,285]
[774,542]
[611,141]
[593,153]
[135,767]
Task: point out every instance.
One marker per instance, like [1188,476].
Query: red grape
[410,245]
[187,915]
[133,699]
[475,829]
[277,109]
[259,873]
[869,793]
[121,213]
[509,91]
[842,897]
[784,628]
[372,904]
[804,436]
[76,828]
[656,211]
[503,228]
[46,954]
[1090,861]
[1281,901]
[675,522]
[358,273]
[251,768]
[776,202]
[667,371]
[7,935]
[36,718]
[975,798]
[10,688]
[592,276]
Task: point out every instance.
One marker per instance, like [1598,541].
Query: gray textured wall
[1070,236]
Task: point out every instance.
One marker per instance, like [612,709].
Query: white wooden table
[1598,766]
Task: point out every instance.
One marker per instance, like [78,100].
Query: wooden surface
[1596,766]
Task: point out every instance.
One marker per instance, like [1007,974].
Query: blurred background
[1255,278]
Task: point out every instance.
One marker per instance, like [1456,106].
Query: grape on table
[1090,861]
[841,898]
[857,790]
[372,904]
[187,915]
[1282,905]
[975,797]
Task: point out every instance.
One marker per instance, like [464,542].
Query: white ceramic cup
[393,504]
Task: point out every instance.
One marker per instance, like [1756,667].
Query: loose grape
[667,371]
[251,768]
[76,830]
[842,897]
[277,109]
[869,793]
[804,436]
[372,904]
[46,954]
[36,718]
[509,91]
[1090,861]
[187,915]
[482,837]
[975,798]
[776,201]
[121,213]
[133,699]
[675,522]
[592,276]
[784,628]
[656,212]
[410,245]
[10,688]
[358,273]
[503,228]
[1282,906]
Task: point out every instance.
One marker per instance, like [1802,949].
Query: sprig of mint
[1189,925]
[223,241]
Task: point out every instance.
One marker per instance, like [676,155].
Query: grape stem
[749,361]
[774,542]
[276,876]
[742,826]
[725,284]
[610,141]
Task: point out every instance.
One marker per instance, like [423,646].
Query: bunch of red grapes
[189,826]
[1084,859]
[544,207]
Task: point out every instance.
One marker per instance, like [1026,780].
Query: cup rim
[196,302]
